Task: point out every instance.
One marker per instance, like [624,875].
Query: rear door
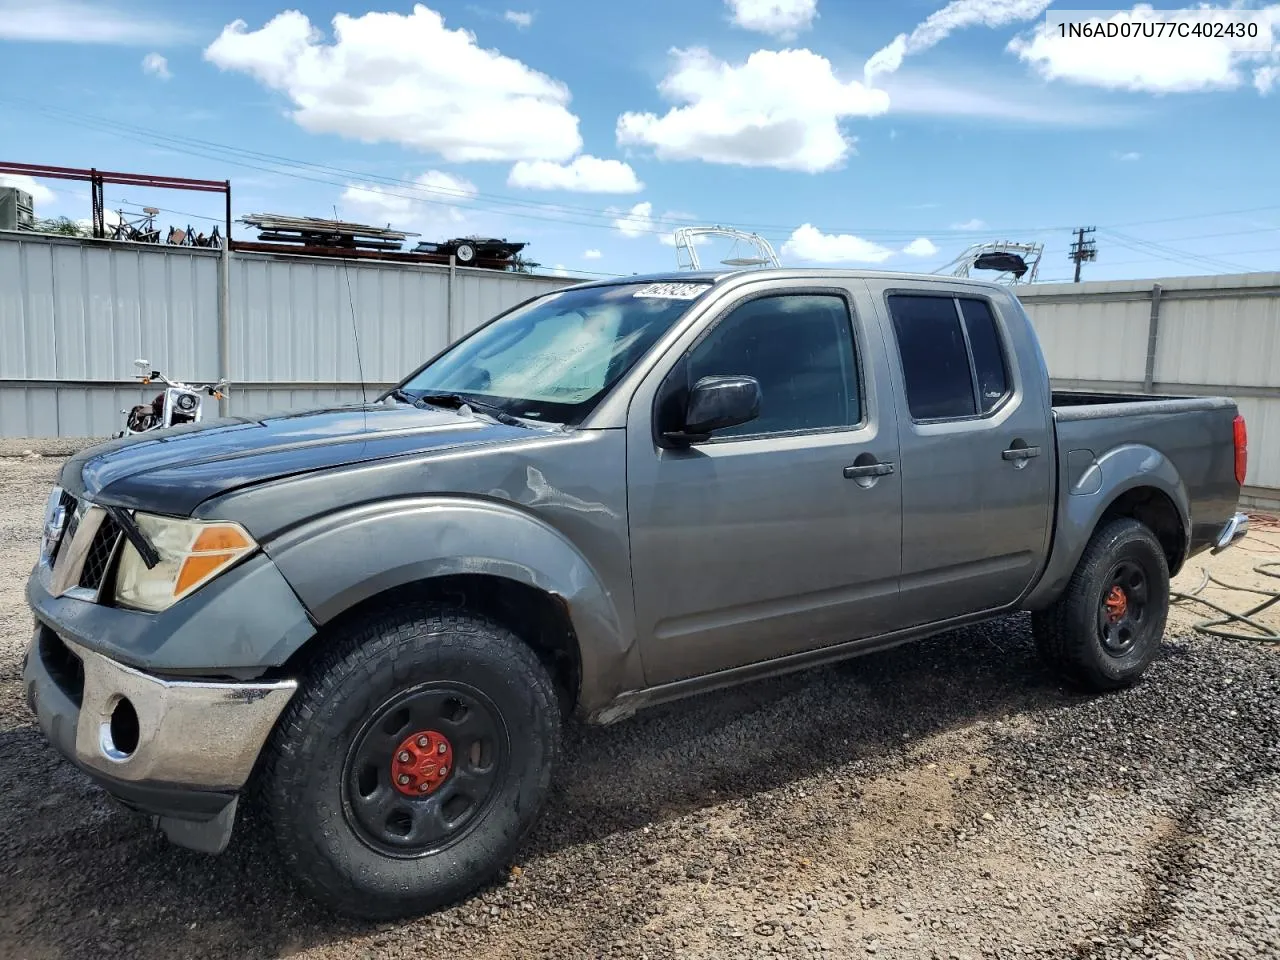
[975,440]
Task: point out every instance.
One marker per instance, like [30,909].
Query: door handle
[868,470]
[1021,453]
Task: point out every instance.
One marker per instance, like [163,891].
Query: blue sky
[889,134]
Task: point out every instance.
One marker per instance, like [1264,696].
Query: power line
[448,196]
[557,212]
[1135,243]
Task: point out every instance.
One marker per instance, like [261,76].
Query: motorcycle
[179,403]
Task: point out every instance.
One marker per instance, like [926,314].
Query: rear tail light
[1241,436]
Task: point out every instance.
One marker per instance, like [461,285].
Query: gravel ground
[947,799]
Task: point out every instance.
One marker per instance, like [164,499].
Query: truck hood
[173,471]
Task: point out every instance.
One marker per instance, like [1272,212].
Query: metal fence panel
[1103,340]
[74,315]
[1234,341]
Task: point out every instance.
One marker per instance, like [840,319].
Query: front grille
[64,667]
[98,560]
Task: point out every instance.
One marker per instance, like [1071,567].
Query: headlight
[192,553]
[187,402]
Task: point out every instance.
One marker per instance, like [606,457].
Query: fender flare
[340,559]
[1084,499]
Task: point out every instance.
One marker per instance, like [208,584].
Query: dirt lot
[947,799]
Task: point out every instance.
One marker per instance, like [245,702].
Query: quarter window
[800,349]
[952,360]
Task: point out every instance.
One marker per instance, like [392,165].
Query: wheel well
[1155,510]
[538,618]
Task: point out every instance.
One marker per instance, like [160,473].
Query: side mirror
[716,403]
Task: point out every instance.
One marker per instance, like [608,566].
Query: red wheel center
[1117,604]
[421,763]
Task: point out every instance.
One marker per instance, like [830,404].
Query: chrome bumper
[194,734]
[1237,528]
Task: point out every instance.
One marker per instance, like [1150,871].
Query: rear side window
[953,361]
[988,357]
[935,361]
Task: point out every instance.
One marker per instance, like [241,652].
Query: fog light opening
[122,730]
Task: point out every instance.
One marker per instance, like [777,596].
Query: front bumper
[1237,528]
[179,750]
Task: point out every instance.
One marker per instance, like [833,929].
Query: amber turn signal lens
[213,539]
[198,568]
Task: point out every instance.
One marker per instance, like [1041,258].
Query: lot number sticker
[672,291]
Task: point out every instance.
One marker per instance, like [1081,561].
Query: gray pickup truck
[371,621]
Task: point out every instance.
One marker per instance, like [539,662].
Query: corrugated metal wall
[1183,335]
[75,315]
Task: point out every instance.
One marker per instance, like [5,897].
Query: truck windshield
[556,358]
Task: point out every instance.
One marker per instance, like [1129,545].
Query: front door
[782,534]
[976,443]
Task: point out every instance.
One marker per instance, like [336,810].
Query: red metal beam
[126,179]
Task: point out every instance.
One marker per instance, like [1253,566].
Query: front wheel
[1105,629]
[414,759]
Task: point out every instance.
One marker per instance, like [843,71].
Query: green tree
[64,226]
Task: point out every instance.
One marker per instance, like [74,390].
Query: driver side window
[800,348]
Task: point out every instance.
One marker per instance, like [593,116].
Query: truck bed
[1071,405]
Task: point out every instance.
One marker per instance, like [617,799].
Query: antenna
[355,330]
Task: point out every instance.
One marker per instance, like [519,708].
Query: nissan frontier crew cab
[371,621]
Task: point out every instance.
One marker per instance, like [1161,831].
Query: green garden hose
[1216,627]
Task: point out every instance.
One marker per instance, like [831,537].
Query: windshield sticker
[672,291]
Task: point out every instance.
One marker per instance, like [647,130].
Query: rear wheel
[1106,628]
[412,762]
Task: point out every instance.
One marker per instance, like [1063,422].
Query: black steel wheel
[1106,628]
[414,759]
[424,769]
[1121,609]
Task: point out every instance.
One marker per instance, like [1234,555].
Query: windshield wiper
[403,396]
[456,400]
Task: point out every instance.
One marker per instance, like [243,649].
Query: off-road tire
[362,670]
[1068,634]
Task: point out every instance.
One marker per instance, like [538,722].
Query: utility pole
[1083,249]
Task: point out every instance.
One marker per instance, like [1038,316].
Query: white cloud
[939,25]
[520,18]
[586,174]
[781,18]
[591,255]
[156,65]
[1129,157]
[951,96]
[974,224]
[39,192]
[432,202]
[1266,78]
[920,247]
[78,21]
[781,108]
[560,270]
[639,221]
[1161,65]
[636,221]
[810,244]
[407,79]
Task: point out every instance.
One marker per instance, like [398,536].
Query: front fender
[336,561]
[1086,488]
